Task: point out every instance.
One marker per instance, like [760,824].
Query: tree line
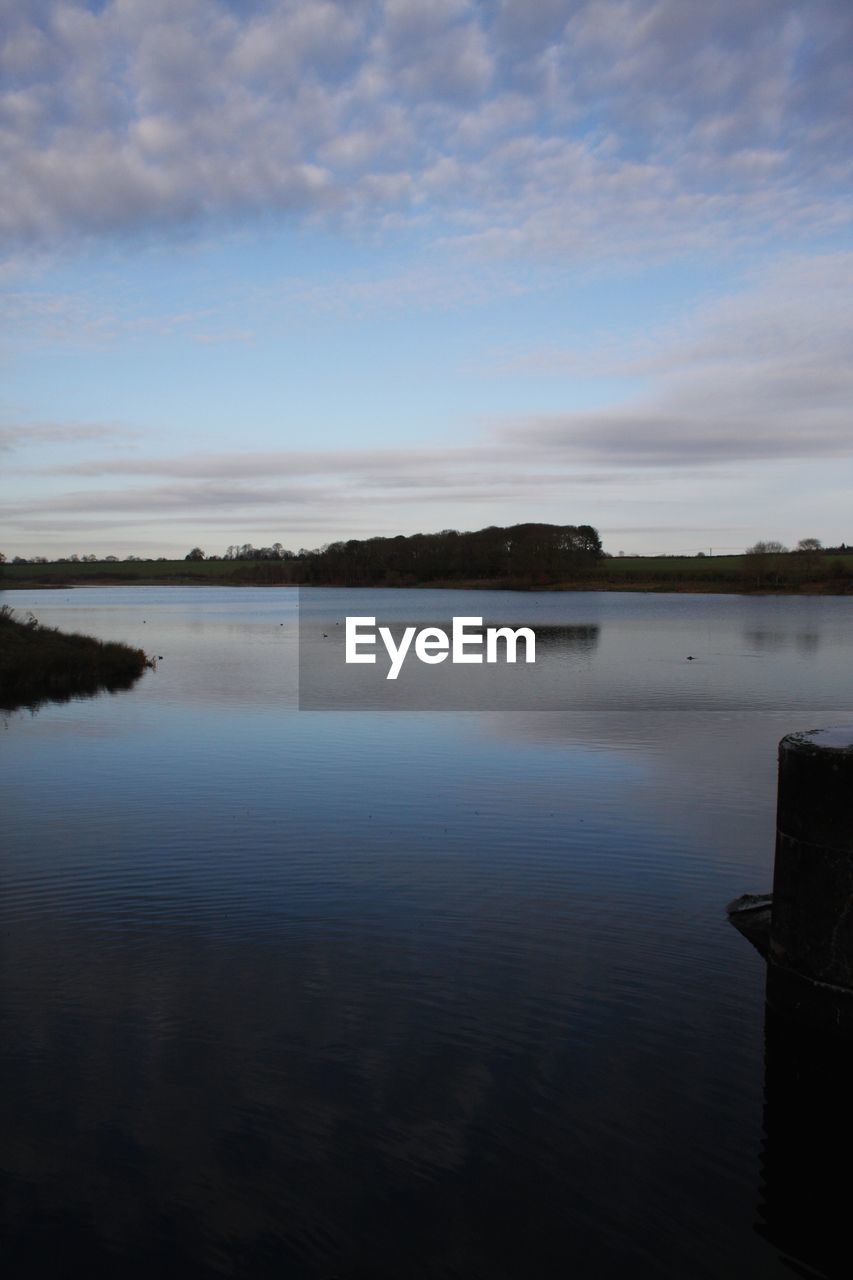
[532,553]
[538,553]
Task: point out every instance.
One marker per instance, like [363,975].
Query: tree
[770,548]
[195,554]
[764,562]
[809,555]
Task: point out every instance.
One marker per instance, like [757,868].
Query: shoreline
[642,586]
[41,664]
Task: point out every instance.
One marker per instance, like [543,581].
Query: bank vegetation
[40,664]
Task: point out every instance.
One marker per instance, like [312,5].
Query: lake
[375,993]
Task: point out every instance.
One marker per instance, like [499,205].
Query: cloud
[46,433]
[763,374]
[594,127]
[746,397]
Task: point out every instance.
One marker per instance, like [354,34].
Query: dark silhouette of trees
[769,548]
[247,552]
[520,555]
[530,554]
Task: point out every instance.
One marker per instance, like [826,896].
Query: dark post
[805,932]
[810,973]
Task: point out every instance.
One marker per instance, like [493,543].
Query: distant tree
[195,554]
[770,548]
[809,556]
[764,562]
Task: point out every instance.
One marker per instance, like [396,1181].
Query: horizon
[283,552]
[310,271]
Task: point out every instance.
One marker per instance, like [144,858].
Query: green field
[676,566]
[826,573]
[130,572]
[791,572]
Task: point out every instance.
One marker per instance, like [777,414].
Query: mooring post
[810,971]
[804,931]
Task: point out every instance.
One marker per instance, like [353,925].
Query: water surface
[397,993]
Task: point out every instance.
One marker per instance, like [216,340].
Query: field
[690,566]
[787,572]
[822,573]
[122,571]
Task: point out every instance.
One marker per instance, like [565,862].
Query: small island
[41,664]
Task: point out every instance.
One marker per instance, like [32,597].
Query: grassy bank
[792,573]
[40,664]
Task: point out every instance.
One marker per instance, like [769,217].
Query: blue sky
[302,270]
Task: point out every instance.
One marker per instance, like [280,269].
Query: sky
[302,270]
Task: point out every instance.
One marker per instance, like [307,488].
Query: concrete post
[811,926]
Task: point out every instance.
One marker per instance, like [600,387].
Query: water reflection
[328,682]
[306,1099]
[35,695]
[444,995]
[775,640]
[581,638]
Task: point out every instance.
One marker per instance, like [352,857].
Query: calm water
[431,993]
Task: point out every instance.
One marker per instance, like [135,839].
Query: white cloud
[595,127]
[496,136]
